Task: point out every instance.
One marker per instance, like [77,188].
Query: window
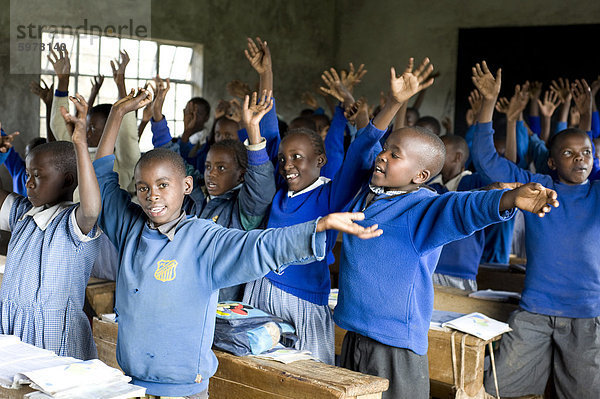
[90,55]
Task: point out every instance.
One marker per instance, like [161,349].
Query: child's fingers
[410,65]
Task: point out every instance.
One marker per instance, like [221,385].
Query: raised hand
[411,82]
[502,105]
[518,102]
[562,88]
[531,197]
[259,55]
[119,72]
[254,110]
[79,135]
[486,83]
[335,87]
[310,100]
[475,101]
[60,63]
[132,101]
[221,109]
[344,222]
[357,113]
[45,93]
[351,78]
[160,92]
[235,110]
[551,101]
[595,86]
[238,89]
[535,90]
[96,84]
[582,95]
[6,141]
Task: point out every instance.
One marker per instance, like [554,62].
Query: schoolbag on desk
[243,330]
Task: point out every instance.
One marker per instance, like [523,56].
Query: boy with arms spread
[385,303]
[173,265]
[557,326]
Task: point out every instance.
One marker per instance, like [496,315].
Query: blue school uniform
[48,266]
[563,272]
[386,291]
[166,291]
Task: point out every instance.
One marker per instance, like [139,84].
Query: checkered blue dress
[43,289]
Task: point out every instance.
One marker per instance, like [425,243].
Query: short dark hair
[431,123]
[163,155]
[558,138]
[102,109]
[315,139]
[324,119]
[63,155]
[433,154]
[458,143]
[303,122]
[240,154]
[201,102]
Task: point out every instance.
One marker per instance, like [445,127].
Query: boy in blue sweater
[173,265]
[385,303]
[557,327]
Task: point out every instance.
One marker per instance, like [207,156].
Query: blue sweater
[563,255]
[16,169]
[313,283]
[334,144]
[386,291]
[166,290]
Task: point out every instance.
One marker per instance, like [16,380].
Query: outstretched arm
[259,56]
[89,208]
[113,123]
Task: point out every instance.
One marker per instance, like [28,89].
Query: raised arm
[96,85]
[582,95]
[127,104]
[90,204]
[119,72]
[46,94]
[5,146]
[514,112]
[336,88]
[62,67]
[562,88]
[259,56]
[547,108]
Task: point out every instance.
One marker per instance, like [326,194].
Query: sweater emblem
[215,218]
[165,270]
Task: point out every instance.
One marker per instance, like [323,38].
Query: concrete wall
[388,32]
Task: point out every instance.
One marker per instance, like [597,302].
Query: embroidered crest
[215,218]
[165,270]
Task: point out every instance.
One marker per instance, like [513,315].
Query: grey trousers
[407,372]
[538,344]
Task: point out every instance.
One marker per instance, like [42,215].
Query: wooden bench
[249,377]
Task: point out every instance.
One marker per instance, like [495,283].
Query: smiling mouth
[291,176]
[211,185]
[156,211]
[379,170]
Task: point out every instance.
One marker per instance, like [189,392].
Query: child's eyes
[142,189]
[587,152]
[163,185]
[394,155]
[567,153]
[297,156]
[221,168]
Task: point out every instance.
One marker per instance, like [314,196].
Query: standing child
[300,294]
[556,330]
[52,246]
[172,265]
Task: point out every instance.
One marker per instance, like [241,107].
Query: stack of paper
[439,317]
[493,295]
[60,377]
[285,355]
[479,325]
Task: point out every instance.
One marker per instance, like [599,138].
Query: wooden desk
[455,300]
[15,393]
[249,377]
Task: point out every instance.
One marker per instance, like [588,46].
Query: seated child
[172,265]
[300,294]
[52,246]
[556,329]
[385,303]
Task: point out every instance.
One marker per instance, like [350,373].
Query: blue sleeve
[58,93]
[334,144]
[494,167]
[161,134]
[595,124]
[538,153]
[258,189]
[522,144]
[118,213]
[355,169]
[442,219]
[469,139]
[238,256]
[535,124]
[560,126]
[16,169]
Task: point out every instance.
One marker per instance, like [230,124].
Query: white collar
[199,137]
[43,215]
[380,190]
[319,182]
[452,184]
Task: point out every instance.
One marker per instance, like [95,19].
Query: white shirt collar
[319,182]
[43,215]
[380,190]
[452,184]
[199,137]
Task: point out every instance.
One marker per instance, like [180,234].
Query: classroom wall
[388,32]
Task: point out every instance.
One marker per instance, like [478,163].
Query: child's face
[95,127]
[298,163]
[221,171]
[397,167]
[226,129]
[160,189]
[45,183]
[573,159]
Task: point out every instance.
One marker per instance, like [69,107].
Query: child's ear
[188,185]
[241,177]
[422,177]
[321,160]
[551,163]
[70,180]
[458,157]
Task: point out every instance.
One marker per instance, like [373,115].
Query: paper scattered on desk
[493,295]
[439,317]
[479,325]
[285,355]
